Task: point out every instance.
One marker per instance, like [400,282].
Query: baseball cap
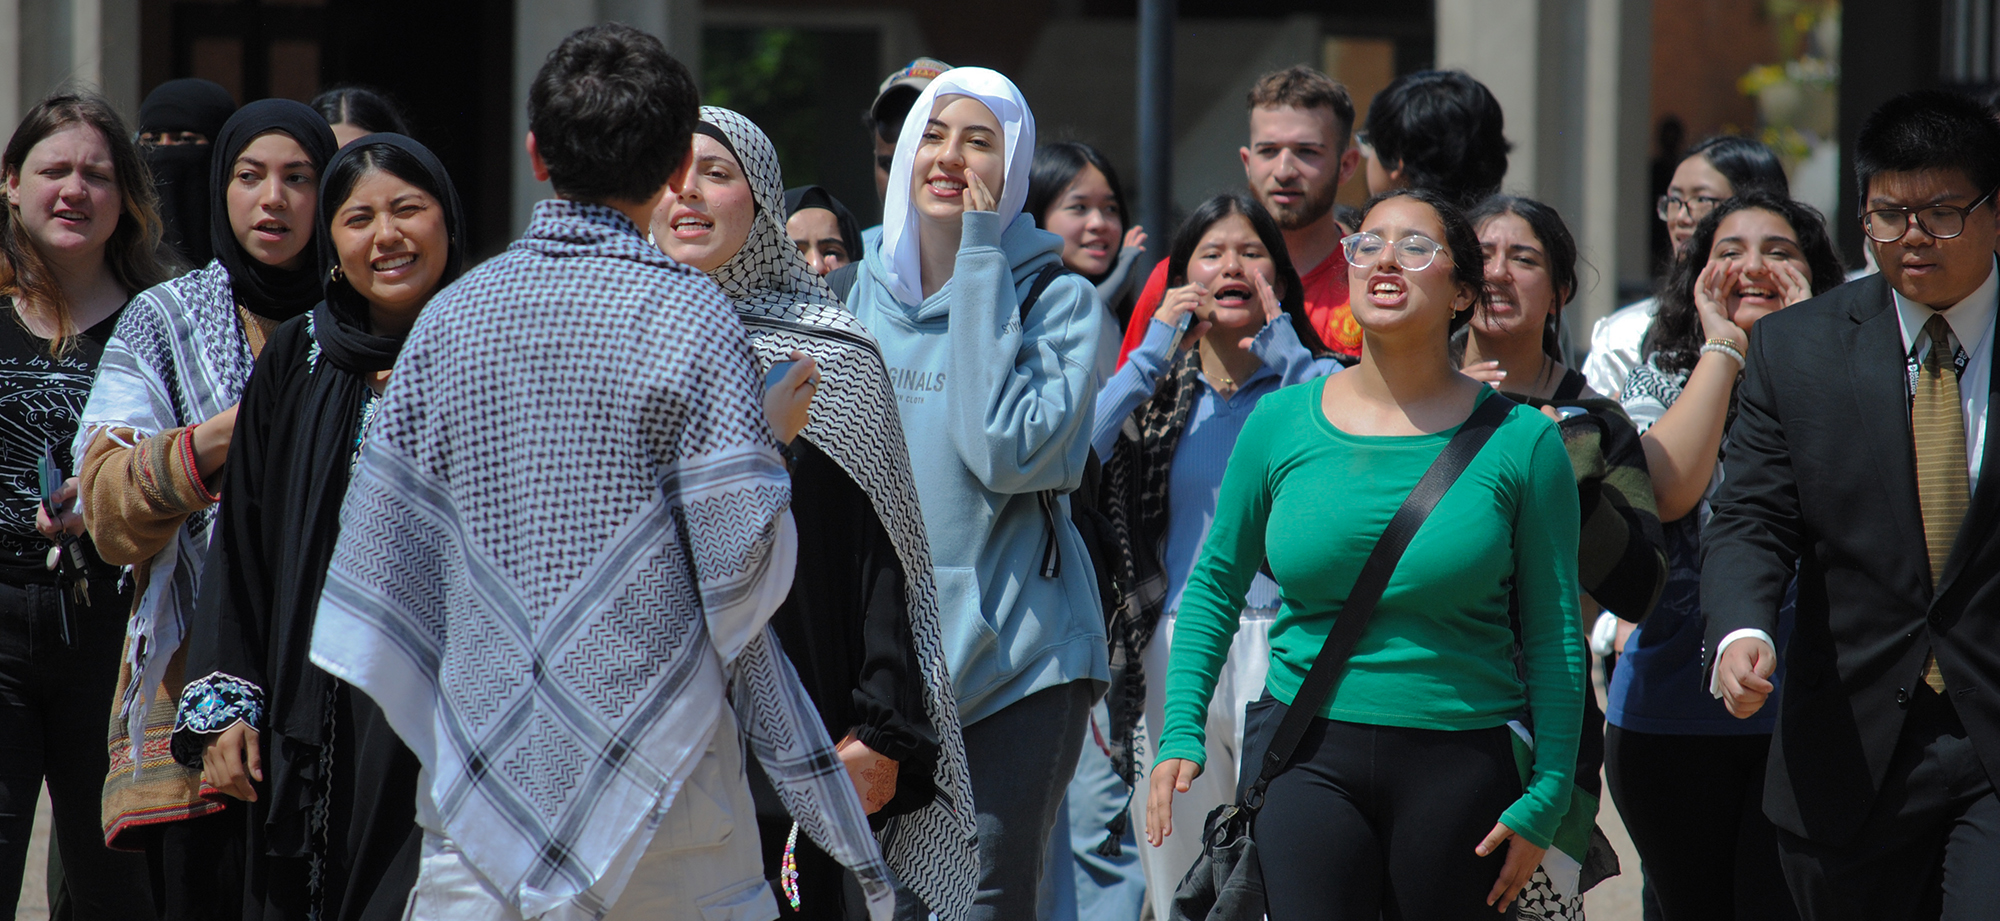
[899,90]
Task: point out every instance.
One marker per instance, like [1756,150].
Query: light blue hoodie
[994,414]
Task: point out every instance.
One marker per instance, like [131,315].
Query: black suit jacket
[1820,472]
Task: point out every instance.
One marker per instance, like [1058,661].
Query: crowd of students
[705,555]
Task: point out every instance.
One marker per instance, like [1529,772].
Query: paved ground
[34,904]
[1615,899]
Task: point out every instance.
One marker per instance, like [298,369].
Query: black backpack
[1100,538]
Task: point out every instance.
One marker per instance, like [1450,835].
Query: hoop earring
[335,275]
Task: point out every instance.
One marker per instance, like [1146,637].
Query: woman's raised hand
[1486,372]
[1135,237]
[1174,775]
[977,196]
[1711,288]
[1268,299]
[1522,859]
[1793,286]
[1182,301]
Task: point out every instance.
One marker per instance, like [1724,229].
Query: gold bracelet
[1726,347]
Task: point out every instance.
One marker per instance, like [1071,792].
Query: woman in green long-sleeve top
[1399,798]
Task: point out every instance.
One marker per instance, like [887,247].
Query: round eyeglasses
[1696,208]
[1414,253]
[1939,222]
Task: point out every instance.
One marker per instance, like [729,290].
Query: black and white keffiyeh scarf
[563,543]
[785,307]
[179,356]
[1136,487]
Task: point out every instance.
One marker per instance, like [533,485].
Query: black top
[40,400]
[846,628]
[1819,483]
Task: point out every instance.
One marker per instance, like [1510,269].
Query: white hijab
[901,263]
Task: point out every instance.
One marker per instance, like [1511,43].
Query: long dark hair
[1291,292]
[396,155]
[133,252]
[1674,342]
[364,108]
[1468,268]
[1748,164]
[1557,245]
[1056,166]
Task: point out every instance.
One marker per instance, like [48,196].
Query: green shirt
[1438,653]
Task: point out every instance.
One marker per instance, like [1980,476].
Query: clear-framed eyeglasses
[1414,253]
[1939,222]
[1696,208]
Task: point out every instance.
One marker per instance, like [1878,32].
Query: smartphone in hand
[777,373]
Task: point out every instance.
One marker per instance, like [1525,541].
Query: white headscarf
[902,265]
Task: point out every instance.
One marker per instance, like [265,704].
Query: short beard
[1304,214]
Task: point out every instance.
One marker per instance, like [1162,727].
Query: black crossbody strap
[1368,587]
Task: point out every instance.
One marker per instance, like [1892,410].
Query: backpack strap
[841,280]
[1051,551]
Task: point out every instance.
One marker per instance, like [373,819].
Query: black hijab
[341,320]
[812,196]
[180,171]
[301,421]
[268,291]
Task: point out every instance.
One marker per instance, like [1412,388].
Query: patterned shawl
[784,306]
[564,539]
[1136,486]
[180,355]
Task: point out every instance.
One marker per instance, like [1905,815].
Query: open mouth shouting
[688,224]
[1756,293]
[1385,290]
[1234,294]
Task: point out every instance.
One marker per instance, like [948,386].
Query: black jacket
[1820,472]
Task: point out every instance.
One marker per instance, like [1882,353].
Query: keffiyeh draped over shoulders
[564,539]
[785,307]
[179,355]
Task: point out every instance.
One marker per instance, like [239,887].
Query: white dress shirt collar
[1971,319]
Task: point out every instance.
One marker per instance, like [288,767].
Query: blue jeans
[1021,759]
[1097,888]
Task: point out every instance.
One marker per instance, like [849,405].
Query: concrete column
[1572,78]
[1616,223]
[10,65]
[50,43]
[541,25]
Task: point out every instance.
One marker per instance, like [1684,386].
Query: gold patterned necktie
[1937,424]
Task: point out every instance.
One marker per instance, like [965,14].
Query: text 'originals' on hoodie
[994,414]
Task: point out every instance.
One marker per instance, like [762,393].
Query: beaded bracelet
[194,466]
[788,868]
[1725,347]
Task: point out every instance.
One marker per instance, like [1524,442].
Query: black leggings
[1694,807]
[1379,822]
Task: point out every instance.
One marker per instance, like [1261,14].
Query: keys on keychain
[65,557]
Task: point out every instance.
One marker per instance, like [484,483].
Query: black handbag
[1225,883]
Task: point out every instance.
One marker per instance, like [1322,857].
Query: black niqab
[267,290]
[180,171]
[812,196]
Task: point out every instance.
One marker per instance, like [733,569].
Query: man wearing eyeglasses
[1858,461]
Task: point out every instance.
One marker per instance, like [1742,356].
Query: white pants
[1240,682]
[704,863]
